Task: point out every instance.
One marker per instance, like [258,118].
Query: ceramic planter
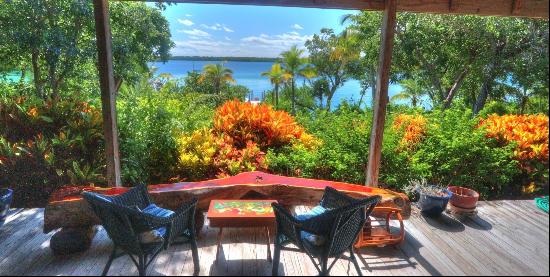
[464,198]
[432,205]
[5,202]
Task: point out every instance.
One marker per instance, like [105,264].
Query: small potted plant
[432,199]
[463,198]
[5,202]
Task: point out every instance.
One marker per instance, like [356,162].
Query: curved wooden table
[67,210]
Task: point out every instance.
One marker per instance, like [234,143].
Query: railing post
[381,97]
[107,85]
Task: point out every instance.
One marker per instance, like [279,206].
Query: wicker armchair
[328,231]
[127,217]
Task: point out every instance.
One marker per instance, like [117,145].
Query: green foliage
[456,152]
[48,144]
[55,40]
[149,121]
[342,155]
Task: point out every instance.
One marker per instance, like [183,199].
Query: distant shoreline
[228,59]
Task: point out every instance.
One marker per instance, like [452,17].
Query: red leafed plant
[242,134]
[529,132]
[261,124]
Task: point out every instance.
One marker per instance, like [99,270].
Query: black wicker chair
[328,232]
[128,216]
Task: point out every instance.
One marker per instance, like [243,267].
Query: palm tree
[277,76]
[412,91]
[294,64]
[218,74]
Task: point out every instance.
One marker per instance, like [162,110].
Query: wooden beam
[107,86]
[529,8]
[381,96]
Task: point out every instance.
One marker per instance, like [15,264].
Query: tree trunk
[54,85]
[36,74]
[454,89]
[329,97]
[293,111]
[523,104]
[118,84]
[486,89]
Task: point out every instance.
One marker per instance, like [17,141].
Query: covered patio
[506,238]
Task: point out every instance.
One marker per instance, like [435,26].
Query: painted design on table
[243,208]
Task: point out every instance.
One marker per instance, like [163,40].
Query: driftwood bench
[70,213]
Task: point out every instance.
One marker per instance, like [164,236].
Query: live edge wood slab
[67,209]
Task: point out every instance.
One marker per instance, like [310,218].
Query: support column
[107,85]
[381,97]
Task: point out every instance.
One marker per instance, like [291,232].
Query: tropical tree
[218,75]
[412,92]
[332,56]
[294,65]
[55,40]
[277,76]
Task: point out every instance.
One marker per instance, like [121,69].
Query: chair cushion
[314,240]
[105,198]
[157,211]
[153,236]
[315,211]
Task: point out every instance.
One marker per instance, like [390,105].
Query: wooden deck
[507,238]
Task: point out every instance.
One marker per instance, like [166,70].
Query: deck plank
[506,238]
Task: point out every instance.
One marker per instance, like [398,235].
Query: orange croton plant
[529,132]
[413,128]
[241,135]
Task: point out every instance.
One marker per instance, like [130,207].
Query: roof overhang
[515,8]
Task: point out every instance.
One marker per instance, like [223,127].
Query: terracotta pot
[463,197]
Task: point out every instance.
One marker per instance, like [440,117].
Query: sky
[245,31]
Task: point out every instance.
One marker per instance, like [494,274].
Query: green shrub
[46,144]
[342,155]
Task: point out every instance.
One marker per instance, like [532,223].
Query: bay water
[248,74]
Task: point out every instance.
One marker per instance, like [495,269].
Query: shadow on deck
[506,238]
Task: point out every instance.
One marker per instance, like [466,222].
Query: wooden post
[107,85]
[381,97]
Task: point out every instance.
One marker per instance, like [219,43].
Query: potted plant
[463,198]
[432,199]
[5,201]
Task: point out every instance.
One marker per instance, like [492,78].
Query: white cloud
[272,45]
[201,48]
[297,27]
[188,15]
[186,22]
[195,32]
[261,45]
[217,27]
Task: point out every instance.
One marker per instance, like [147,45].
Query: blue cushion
[157,211]
[315,240]
[103,197]
[315,211]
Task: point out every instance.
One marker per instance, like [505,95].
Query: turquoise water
[249,74]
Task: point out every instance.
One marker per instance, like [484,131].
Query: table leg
[268,244]
[220,237]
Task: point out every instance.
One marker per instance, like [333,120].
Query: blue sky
[245,31]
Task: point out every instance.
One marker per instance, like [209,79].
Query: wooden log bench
[68,211]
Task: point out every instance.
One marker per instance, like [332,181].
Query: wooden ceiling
[519,8]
